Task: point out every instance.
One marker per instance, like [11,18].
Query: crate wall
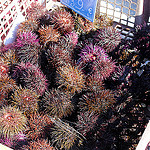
[9,10]
[124,12]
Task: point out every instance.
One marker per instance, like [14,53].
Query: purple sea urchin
[26,100]
[28,47]
[58,103]
[39,145]
[86,122]
[108,38]
[90,53]
[97,61]
[63,20]
[12,121]
[31,77]
[48,34]
[35,80]
[98,101]
[61,53]
[27,38]
[71,78]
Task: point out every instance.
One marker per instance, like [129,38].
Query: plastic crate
[9,11]
[124,12]
[3,147]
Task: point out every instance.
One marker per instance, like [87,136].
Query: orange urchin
[97,101]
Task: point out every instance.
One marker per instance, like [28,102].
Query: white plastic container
[12,12]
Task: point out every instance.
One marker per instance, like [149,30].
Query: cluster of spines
[58,103]
[63,20]
[93,83]
[4,68]
[97,101]
[29,25]
[59,54]
[12,121]
[71,78]
[72,38]
[6,86]
[39,144]
[37,126]
[96,60]
[30,76]
[35,11]
[28,47]
[108,38]
[48,34]
[64,135]
[26,100]
[86,122]
[7,59]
